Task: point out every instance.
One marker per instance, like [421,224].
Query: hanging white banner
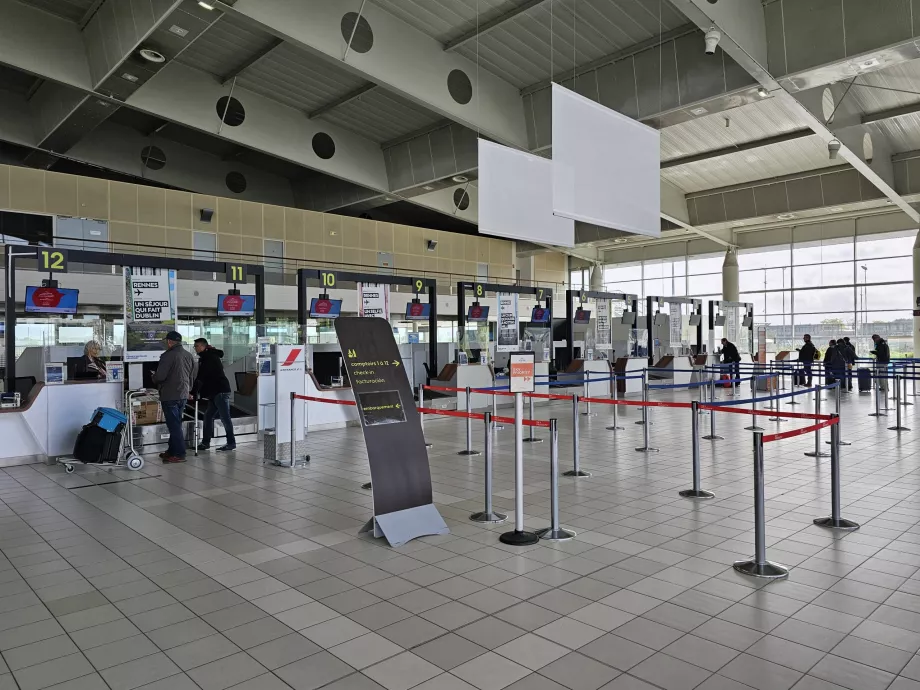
[731,324]
[676,325]
[508,333]
[374,300]
[150,312]
[602,325]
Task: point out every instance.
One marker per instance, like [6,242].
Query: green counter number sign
[327,278]
[236,273]
[419,285]
[52,260]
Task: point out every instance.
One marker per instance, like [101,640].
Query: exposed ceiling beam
[629,51]
[492,24]
[342,100]
[90,11]
[589,254]
[890,113]
[746,146]
[701,233]
[261,55]
[36,85]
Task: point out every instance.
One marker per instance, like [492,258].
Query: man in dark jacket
[807,354]
[213,385]
[882,358]
[174,377]
[730,356]
[848,352]
[834,363]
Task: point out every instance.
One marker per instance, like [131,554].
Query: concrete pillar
[916,296]
[730,276]
[597,278]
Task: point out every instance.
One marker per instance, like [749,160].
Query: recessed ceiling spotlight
[127,76]
[698,111]
[869,64]
[836,209]
[620,240]
[205,5]
[460,178]
[785,216]
[762,92]
[178,30]
[427,187]
[151,55]
[739,225]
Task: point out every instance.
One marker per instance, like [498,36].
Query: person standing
[730,356]
[834,364]
[882,358]
[212,384]
[848,352]
[807,355]
[174,377]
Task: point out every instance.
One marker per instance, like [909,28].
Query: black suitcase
[96,445]
[864,377]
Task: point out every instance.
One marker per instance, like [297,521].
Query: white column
[916,295]
[730,276]
[597,278]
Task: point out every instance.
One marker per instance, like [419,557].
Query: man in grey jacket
[174,377]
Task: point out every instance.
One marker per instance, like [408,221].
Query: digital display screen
[48,300]
[539,315]
[236,305]
[322,308]
[582,316]
[477,313]
[628,318]
[418,311]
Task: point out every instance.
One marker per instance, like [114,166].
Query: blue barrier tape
[678,385]
[764,399]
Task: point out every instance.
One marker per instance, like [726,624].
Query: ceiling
[727,140]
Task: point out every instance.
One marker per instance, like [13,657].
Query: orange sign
[522,372]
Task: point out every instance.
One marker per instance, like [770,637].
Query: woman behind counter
[90,366]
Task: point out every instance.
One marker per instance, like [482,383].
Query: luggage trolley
[101,443]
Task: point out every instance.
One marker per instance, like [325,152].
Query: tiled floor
[223,573]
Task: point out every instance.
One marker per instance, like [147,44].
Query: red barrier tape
[326,400]
[765,413]
[477,415]
[444,388]
[799,432]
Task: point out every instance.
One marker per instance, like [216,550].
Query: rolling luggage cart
[101,443]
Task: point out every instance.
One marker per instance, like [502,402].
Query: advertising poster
[731,324]
[507,323]
[150,312]
[603,339]
[374,300]
[676,326]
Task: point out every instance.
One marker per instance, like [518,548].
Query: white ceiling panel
[751,122]
[227,44]
[445,20]
[785,158]
[74,10]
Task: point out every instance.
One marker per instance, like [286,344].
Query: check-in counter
[595,372]
[50,417]
[630,366]
[472,376]
[327,415]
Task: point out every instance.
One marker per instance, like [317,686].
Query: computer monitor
[540,315]
[582,316]
[628,318]
[325,308]
[477,313]
[418,311]
[49,300]
[747,321]
[236,305]
[719,320]
[695,319]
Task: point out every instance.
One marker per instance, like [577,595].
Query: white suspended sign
[374,300]
[150,297]
[676,324]
[508,333]
[602,324]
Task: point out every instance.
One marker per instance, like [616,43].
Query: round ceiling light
[460,179]
[620,240]
[151,55]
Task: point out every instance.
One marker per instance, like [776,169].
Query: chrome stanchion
[647,448]
[696,491]
[554,532]
[644,396]
[614,395]
[519,537]
[793,401]
[904,401]
[496,426]
[878,392]
[837,413]
[913,375]
[712,435]
[530,437]
[817,452]
[775,409]
[759,566]
[754,426]
[421,403]
[576,470]
[897,406]
[586,394]
[834,521]
[488,515]
[469,426]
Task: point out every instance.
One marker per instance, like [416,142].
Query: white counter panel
[326,415]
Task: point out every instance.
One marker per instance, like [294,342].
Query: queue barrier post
[897,406]
[696,491]
[496,426]
[469,426]
[817,452]
[840,442]
[878,392]
[530,437]
[644,419]
[586,394]
[904,401]
[519,537]
[647,422]
[754,426]
[488,515]
[712,435]
[613,395]
[759,566]
[576,470]
[554,532]
[834,521]
[421,403]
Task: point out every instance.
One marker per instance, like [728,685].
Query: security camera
[833,148]
[712,38]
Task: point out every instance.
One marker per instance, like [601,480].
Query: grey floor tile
[366,650]
[490,671]
[120,651]
[412,631]
[314,671]
[283,651]
[704,653]
[140,672]
[203,651]
[851,674]
[226,672]
[48,673]
[759,673]
[579,672]
[669,673]
[617,651]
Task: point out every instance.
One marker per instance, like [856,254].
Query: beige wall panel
[229,245]
[4,186]
[179,238]
[179,210]
[251,219]
[385,237]
[273,222]
[293,225]
[27,189]
[401,239]
[332,255]
[123,236]
[229,217]
[332,230]
[151,205]
[313,227]
[61,194]
[123,202]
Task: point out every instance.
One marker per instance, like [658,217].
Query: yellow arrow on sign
[395,362]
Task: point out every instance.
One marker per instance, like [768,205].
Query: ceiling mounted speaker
[206,214]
